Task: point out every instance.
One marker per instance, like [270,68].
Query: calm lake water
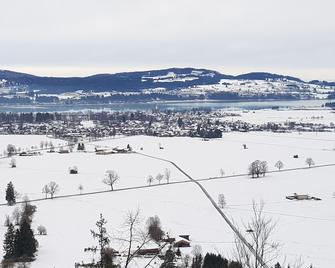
[178,106]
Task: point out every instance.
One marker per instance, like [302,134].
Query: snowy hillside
[304,228]
[167,84]
[271,88]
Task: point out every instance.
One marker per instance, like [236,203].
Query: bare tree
[131,221]
[111,178]
[46,190]
[310,162]
[186,261]
[54,188]
[159,178]
[51,146]
[167,175]
[279,164]
[16,216]
[222,173]
[154,228]
[150,179]
[71,146]
[80,188]
[260,230]
[7,221]
[27,211]
[196,250]
[135,237]
[221,201]
[264,167]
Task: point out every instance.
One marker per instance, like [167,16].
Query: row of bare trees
[258,167]
[160,177]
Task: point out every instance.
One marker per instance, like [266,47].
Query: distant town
[205,124]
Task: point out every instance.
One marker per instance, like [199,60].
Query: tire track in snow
[209,197]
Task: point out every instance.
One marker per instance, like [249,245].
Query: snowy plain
[305,228]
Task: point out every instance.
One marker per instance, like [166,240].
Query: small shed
[73,170]
[183,242]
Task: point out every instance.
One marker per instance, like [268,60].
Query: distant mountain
[322,83]
[266,76]
[170,79]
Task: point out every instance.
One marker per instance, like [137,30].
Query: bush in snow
[42,230]
[12,163]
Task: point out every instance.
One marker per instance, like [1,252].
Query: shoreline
[169,105]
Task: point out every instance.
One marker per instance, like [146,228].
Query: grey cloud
[275,35]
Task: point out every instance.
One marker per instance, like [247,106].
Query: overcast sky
[79,37]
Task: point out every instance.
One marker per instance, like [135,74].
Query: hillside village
[175,84]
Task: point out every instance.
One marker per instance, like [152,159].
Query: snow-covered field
[305,228]
[319,116]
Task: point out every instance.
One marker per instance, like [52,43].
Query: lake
[173,105]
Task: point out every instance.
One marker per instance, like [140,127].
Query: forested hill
[170,79]
[131,81]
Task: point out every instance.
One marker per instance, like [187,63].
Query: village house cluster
[195,123]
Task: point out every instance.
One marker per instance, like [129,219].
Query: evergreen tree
[108,259]
[8,244]
[28,211]
[214,261]
[25,244]
[197,261]
[169,259]
[180,122]
[235,264]
[103,242]
[81,146]
[17,250]
[10,194]
[178,253]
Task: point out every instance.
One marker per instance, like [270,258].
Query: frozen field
[315,116]
[305,228]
